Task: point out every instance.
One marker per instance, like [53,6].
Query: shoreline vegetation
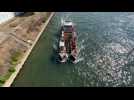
[17,39]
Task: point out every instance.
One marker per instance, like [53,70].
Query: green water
[105,41]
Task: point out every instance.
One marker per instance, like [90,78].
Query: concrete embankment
[20,65]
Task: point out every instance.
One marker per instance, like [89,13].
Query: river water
[106,58]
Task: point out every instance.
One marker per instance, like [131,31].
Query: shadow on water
[54,57]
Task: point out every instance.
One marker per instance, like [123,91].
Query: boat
[68,43]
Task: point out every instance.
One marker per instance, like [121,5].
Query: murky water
[106,58]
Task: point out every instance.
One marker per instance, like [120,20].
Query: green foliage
[13,62]
[1,84]
[7,75]
[15,57]
[2,80]
[11,69]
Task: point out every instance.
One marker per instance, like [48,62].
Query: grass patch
[14,60]
[11,69]
[1,85]
[15,57]
[5,77]
[2,80]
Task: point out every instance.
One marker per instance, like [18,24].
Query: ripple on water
[116,47]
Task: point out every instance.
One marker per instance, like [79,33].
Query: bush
[2,80]
[15,58]
[1,84]
[12,69]
[14,62]
[5,77]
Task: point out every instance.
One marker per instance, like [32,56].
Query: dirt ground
[18,34]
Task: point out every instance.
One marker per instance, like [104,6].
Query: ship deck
[67,42]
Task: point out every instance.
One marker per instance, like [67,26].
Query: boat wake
[54,46]
[79,60]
